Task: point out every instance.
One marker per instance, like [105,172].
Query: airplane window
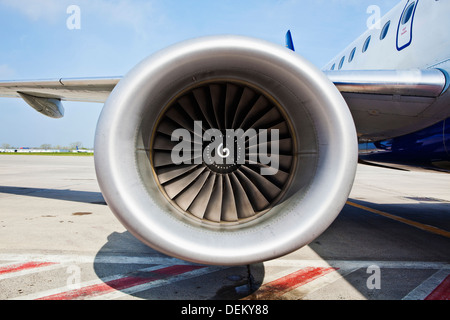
[352,55]
[334,66]
[366,44]
[408,13]
[385,30]
[341,63]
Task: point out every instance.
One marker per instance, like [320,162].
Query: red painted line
[122,283]
[442,291]
[277,288]
[24,266]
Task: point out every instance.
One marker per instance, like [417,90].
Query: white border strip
[425,288]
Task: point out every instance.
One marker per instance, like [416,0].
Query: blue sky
[115,35]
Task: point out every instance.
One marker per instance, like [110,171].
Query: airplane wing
[391,103]
[76,89]
[45,96]
[384,103]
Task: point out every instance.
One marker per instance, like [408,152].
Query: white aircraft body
[411,35]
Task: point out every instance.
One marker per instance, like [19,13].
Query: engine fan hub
[225,157]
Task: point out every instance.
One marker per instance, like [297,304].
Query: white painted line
[158,283]
[349,264]
[51,292]
[74,259]
[163,260]
[304,291]
[31,271]
[343,269]
[425,288]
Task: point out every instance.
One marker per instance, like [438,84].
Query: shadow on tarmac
[356,235]
[225,283]
[57,194]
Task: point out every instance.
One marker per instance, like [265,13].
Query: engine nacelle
[226,150]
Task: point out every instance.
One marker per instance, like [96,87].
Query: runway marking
[403,220]
[158,283]
[275,289]
[167,261]
[27,269]
[99,259]
[351,264]
[55,291]
[299,278]
[23,266]
[442,292]
[121,283]
[436,287]
[309,289]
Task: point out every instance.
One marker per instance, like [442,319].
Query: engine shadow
[56,194]
[213,283]
[359,235]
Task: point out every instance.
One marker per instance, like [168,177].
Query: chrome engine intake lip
[324,149]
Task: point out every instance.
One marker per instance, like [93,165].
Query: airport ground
[59,240]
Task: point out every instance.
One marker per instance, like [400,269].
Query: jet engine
[225,150]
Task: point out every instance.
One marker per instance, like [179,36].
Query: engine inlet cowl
[226,150]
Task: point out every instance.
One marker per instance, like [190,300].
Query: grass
[81,154]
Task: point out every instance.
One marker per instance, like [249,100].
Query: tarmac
[60,241]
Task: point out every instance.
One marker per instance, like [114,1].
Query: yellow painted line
[403,220]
